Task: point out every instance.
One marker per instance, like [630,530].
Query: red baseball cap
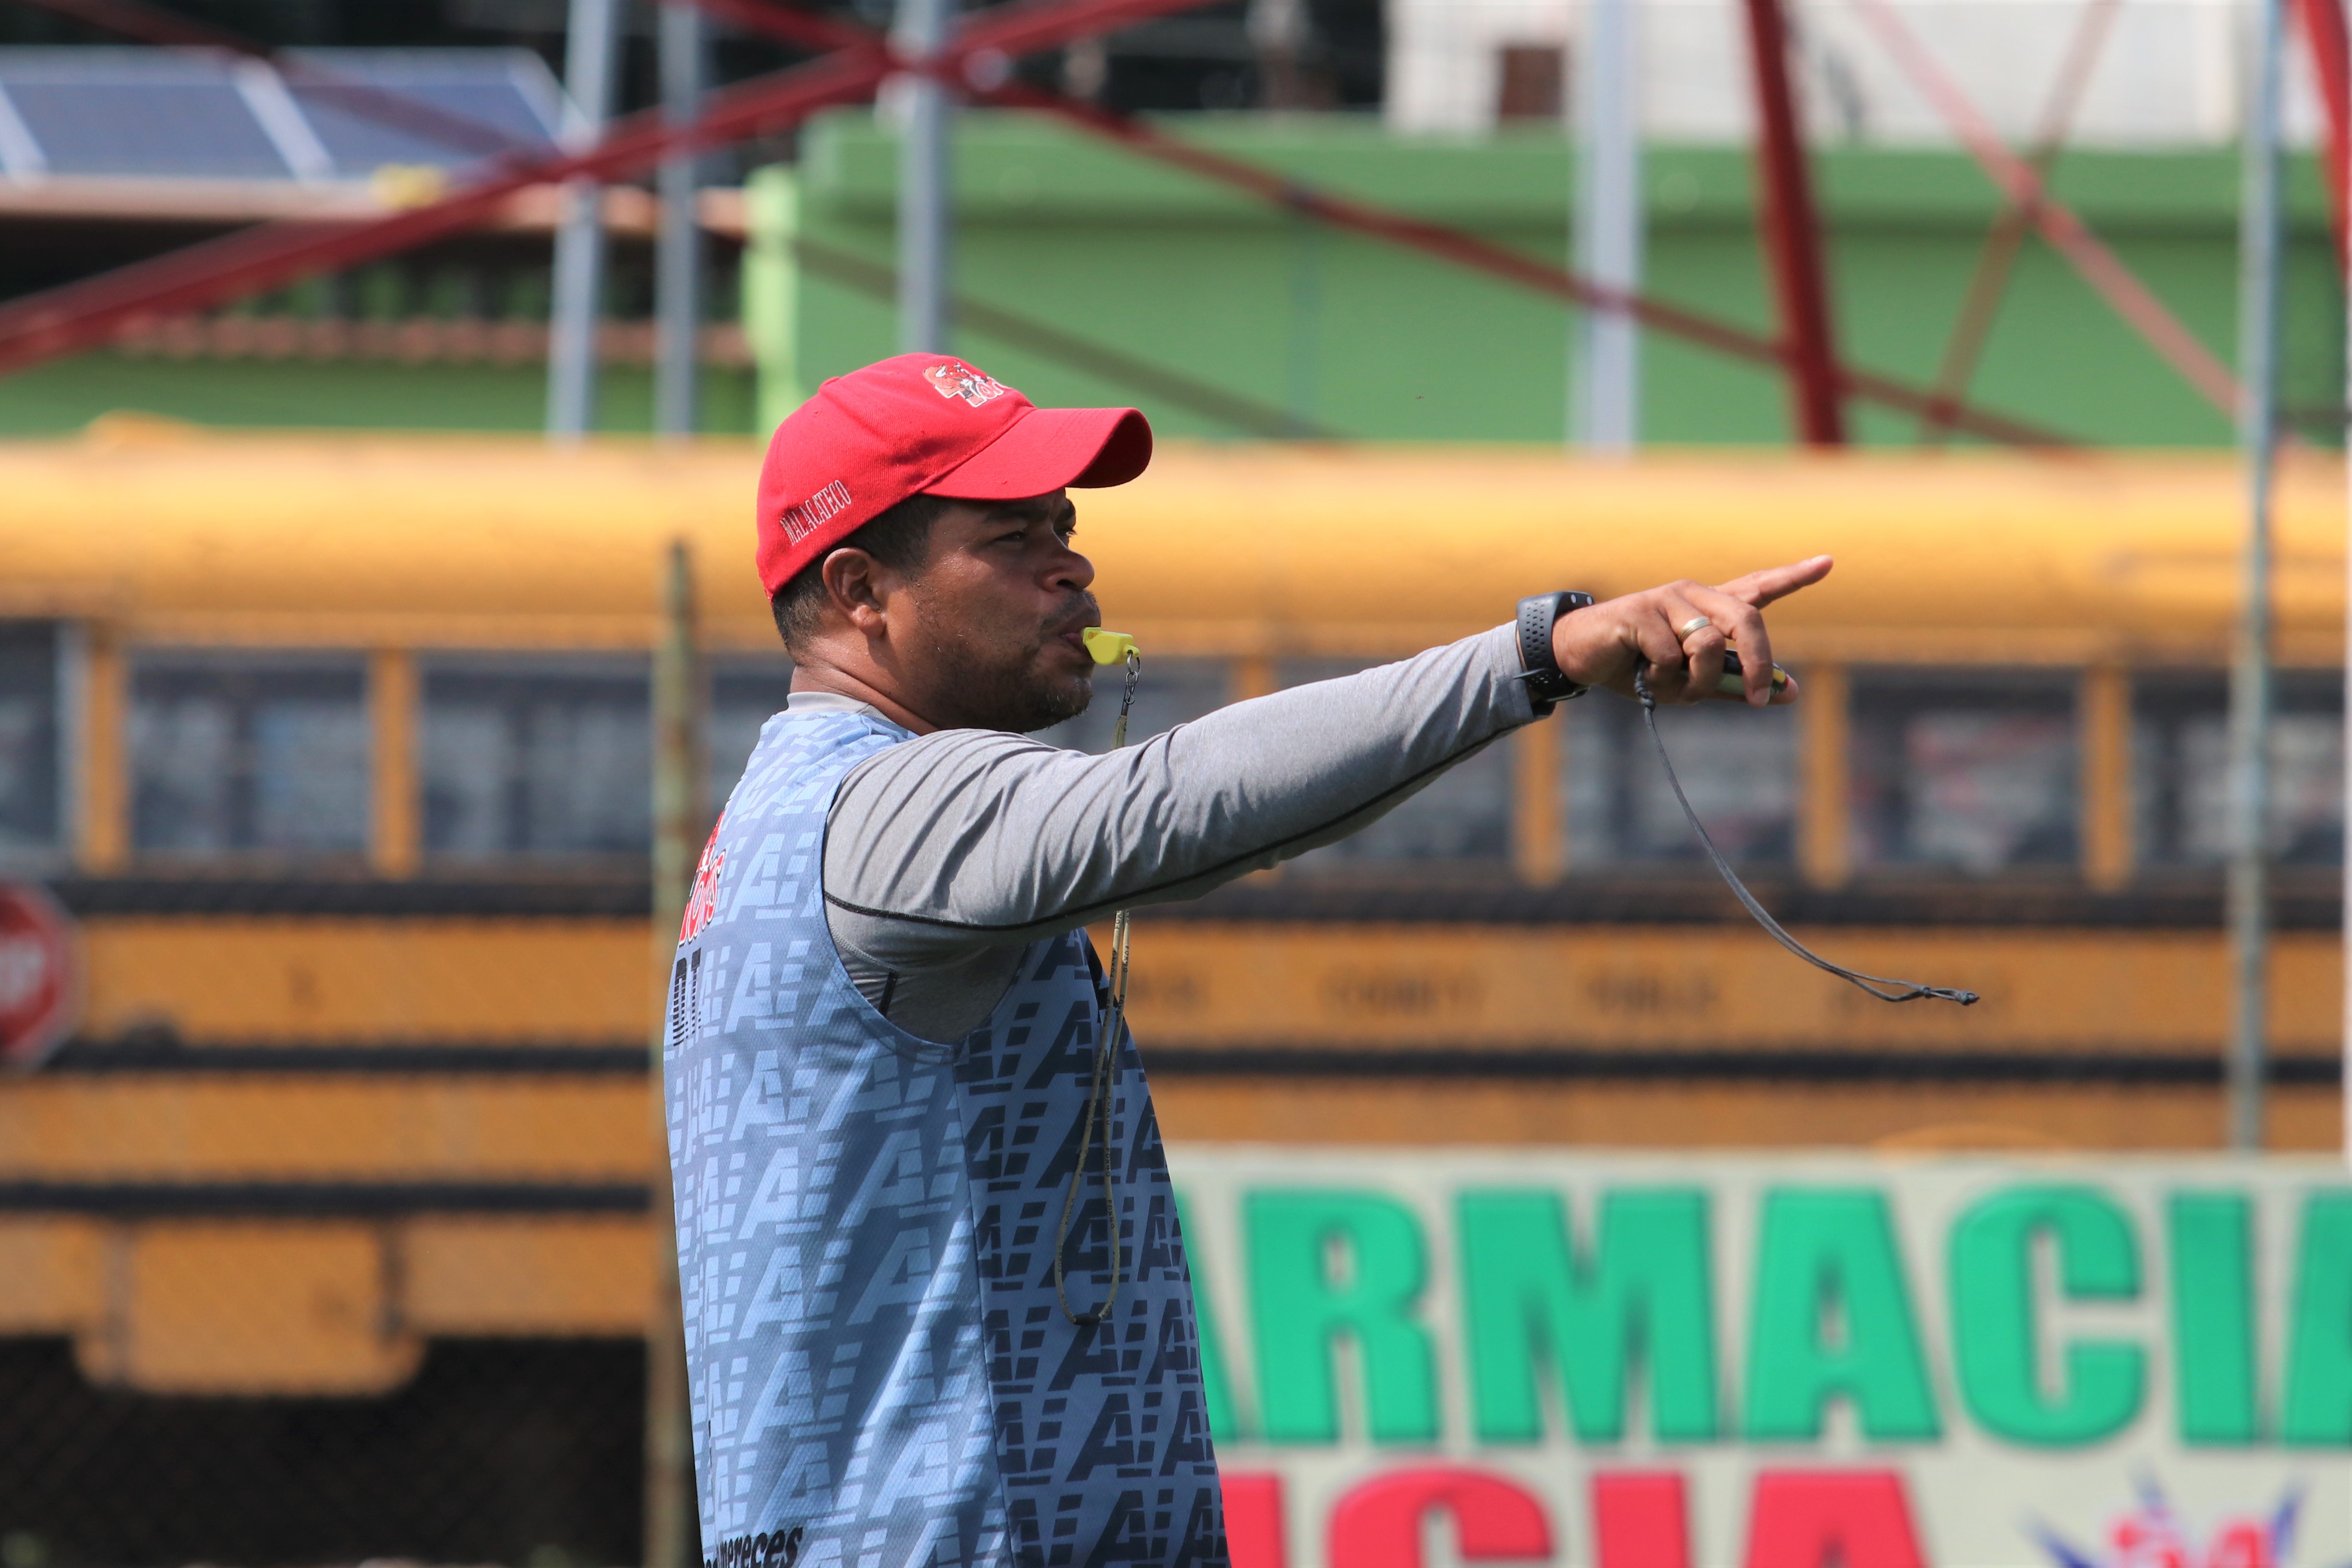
[924,424]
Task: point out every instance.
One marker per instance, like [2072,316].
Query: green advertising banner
[1674,1361]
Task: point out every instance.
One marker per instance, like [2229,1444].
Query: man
[915,1340]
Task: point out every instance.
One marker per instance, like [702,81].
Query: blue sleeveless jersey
[881,1375]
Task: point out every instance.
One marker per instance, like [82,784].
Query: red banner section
[1797,1518]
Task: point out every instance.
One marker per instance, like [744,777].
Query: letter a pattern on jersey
[881,1375]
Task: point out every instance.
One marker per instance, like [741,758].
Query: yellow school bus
[336,750]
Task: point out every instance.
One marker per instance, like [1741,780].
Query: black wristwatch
[1548,685]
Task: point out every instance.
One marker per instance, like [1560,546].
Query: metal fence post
[926,216]
[1605,406]
[2250,675]
[677,248]
[580,243]
[679,791]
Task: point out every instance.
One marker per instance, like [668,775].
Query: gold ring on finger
[1695,623]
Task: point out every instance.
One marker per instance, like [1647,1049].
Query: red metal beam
[2057,223]
[1448,245]
[2331,56]
[1981,304]
[1792,233]
[94,310]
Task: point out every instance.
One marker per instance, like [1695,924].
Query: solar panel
[416,106]
[140,112]
[333,114]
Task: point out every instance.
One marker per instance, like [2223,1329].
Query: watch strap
[1548,685]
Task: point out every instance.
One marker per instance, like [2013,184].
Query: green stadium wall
[1321,332]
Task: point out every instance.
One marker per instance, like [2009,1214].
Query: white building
[2168,73]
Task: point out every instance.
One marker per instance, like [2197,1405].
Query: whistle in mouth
[1108,648]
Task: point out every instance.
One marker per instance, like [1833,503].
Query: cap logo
[800,521]
[957,378]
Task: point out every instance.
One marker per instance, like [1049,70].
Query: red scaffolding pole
[1792,233]
[2066,233]
[94,310]
[2003,242]
[2331,58]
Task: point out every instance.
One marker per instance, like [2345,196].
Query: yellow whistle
[1108,647]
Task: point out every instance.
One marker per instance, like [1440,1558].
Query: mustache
[1081,610]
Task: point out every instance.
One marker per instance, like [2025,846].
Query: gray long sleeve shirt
[946,855]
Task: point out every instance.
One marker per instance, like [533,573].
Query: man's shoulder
[949,759]
[801,752]
[804,733]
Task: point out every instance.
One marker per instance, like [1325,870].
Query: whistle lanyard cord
[1113,1021]
[1901,990]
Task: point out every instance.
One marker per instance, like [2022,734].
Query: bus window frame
[2293,683]
[511,664]
[394,695]
[102,757]
[122,810]
[2050,681]
[57,853]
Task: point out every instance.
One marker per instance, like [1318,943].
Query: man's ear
[852,582]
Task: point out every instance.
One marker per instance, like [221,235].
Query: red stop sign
[40,987]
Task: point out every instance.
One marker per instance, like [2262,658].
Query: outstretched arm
[975,835]
[947,854]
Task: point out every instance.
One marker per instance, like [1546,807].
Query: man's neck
[820,676]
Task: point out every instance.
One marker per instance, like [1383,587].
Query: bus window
[1173,691]
[28,738]
[1737,764]
[1462,818]
[744,695]
[1974,771]
[249,753]
[2181,768]
[536,756]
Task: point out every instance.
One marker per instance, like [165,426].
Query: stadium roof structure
[314,118]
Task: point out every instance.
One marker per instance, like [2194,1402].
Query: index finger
[1761,588]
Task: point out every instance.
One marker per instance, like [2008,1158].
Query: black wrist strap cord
[1896,990]
[1111,1027]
